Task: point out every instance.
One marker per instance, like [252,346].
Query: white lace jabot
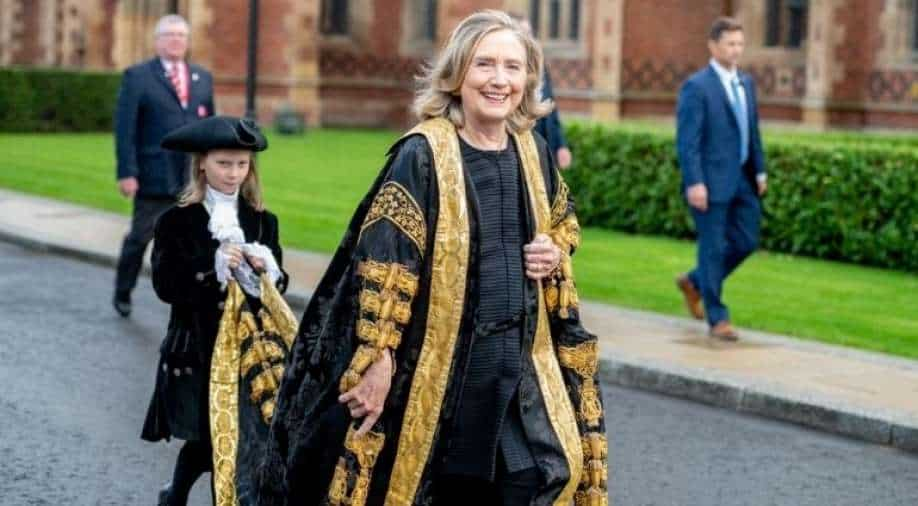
[224,216]
[224,227]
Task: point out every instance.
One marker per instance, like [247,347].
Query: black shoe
[164,494]
[122,305]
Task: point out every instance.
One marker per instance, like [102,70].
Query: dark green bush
[851,201]
[52,100]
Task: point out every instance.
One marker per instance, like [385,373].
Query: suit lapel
[747,88]
[714,80]
[160,71]
[193,94]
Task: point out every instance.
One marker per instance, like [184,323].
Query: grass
[314,182]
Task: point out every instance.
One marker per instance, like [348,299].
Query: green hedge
[51,100]
[854,201]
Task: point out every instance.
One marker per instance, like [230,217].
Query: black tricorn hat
[216,132]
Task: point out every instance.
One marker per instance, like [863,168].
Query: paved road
[75,381]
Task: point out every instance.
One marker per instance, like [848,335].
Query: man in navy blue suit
[156,97]
[723,172]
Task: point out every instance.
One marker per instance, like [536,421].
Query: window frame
[568,38]
[327,25]
[786,24]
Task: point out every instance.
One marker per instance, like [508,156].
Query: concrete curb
[744,399]
[57,249]
[642,376]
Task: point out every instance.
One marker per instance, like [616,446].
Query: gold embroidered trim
[361,361]
[379,334]
[560,205]
[561,293]
[266,383]
[395,203]
[262,352]
[385,305]
[389,276]
[229,366]
[449,261]
[566,233]
[267,410]
[390,305]
[224,398]
[583,359]
[551,382]
[594,487]
[276,314]
[366,450]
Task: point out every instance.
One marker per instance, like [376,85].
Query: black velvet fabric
[183,277]
[309,425]
[488,417]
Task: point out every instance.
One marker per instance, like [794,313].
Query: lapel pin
[194,76]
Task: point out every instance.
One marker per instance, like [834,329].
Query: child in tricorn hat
[219,231]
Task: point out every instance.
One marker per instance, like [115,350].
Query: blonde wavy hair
[194,191]
[437,94]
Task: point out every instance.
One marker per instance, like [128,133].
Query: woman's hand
[368,397]
[541,257]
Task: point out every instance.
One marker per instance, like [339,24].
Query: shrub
[837,198]
[53,100]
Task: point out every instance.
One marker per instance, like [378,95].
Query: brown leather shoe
[691,295]
[724,331]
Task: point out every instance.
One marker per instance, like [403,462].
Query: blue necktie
[742,119]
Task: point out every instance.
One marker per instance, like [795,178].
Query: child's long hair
[194,191]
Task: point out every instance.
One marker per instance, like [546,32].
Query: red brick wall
[859,22]
[229,31]
[367,81]
[665,36]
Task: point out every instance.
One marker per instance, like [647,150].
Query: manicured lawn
[314,182]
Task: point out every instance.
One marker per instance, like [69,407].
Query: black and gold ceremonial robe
[404,279]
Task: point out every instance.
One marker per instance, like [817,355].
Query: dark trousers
[508,489]
[194,459]
[146,212]
[728,232]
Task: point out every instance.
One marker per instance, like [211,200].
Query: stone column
[47,32]
[608,31]
[133,27]
[302,55]
[10,29]
[98,24]
[72,33]
[821,66]
[200,16]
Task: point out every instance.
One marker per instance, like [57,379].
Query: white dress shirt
[727,78]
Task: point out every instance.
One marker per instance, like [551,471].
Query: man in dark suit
[156,97]
[723,172]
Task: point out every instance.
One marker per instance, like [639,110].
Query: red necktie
[179,82]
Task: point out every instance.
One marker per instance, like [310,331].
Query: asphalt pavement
[77,379]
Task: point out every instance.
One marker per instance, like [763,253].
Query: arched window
[335,17]
[785,23]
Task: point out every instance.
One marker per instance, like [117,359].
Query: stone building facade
[849,63]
